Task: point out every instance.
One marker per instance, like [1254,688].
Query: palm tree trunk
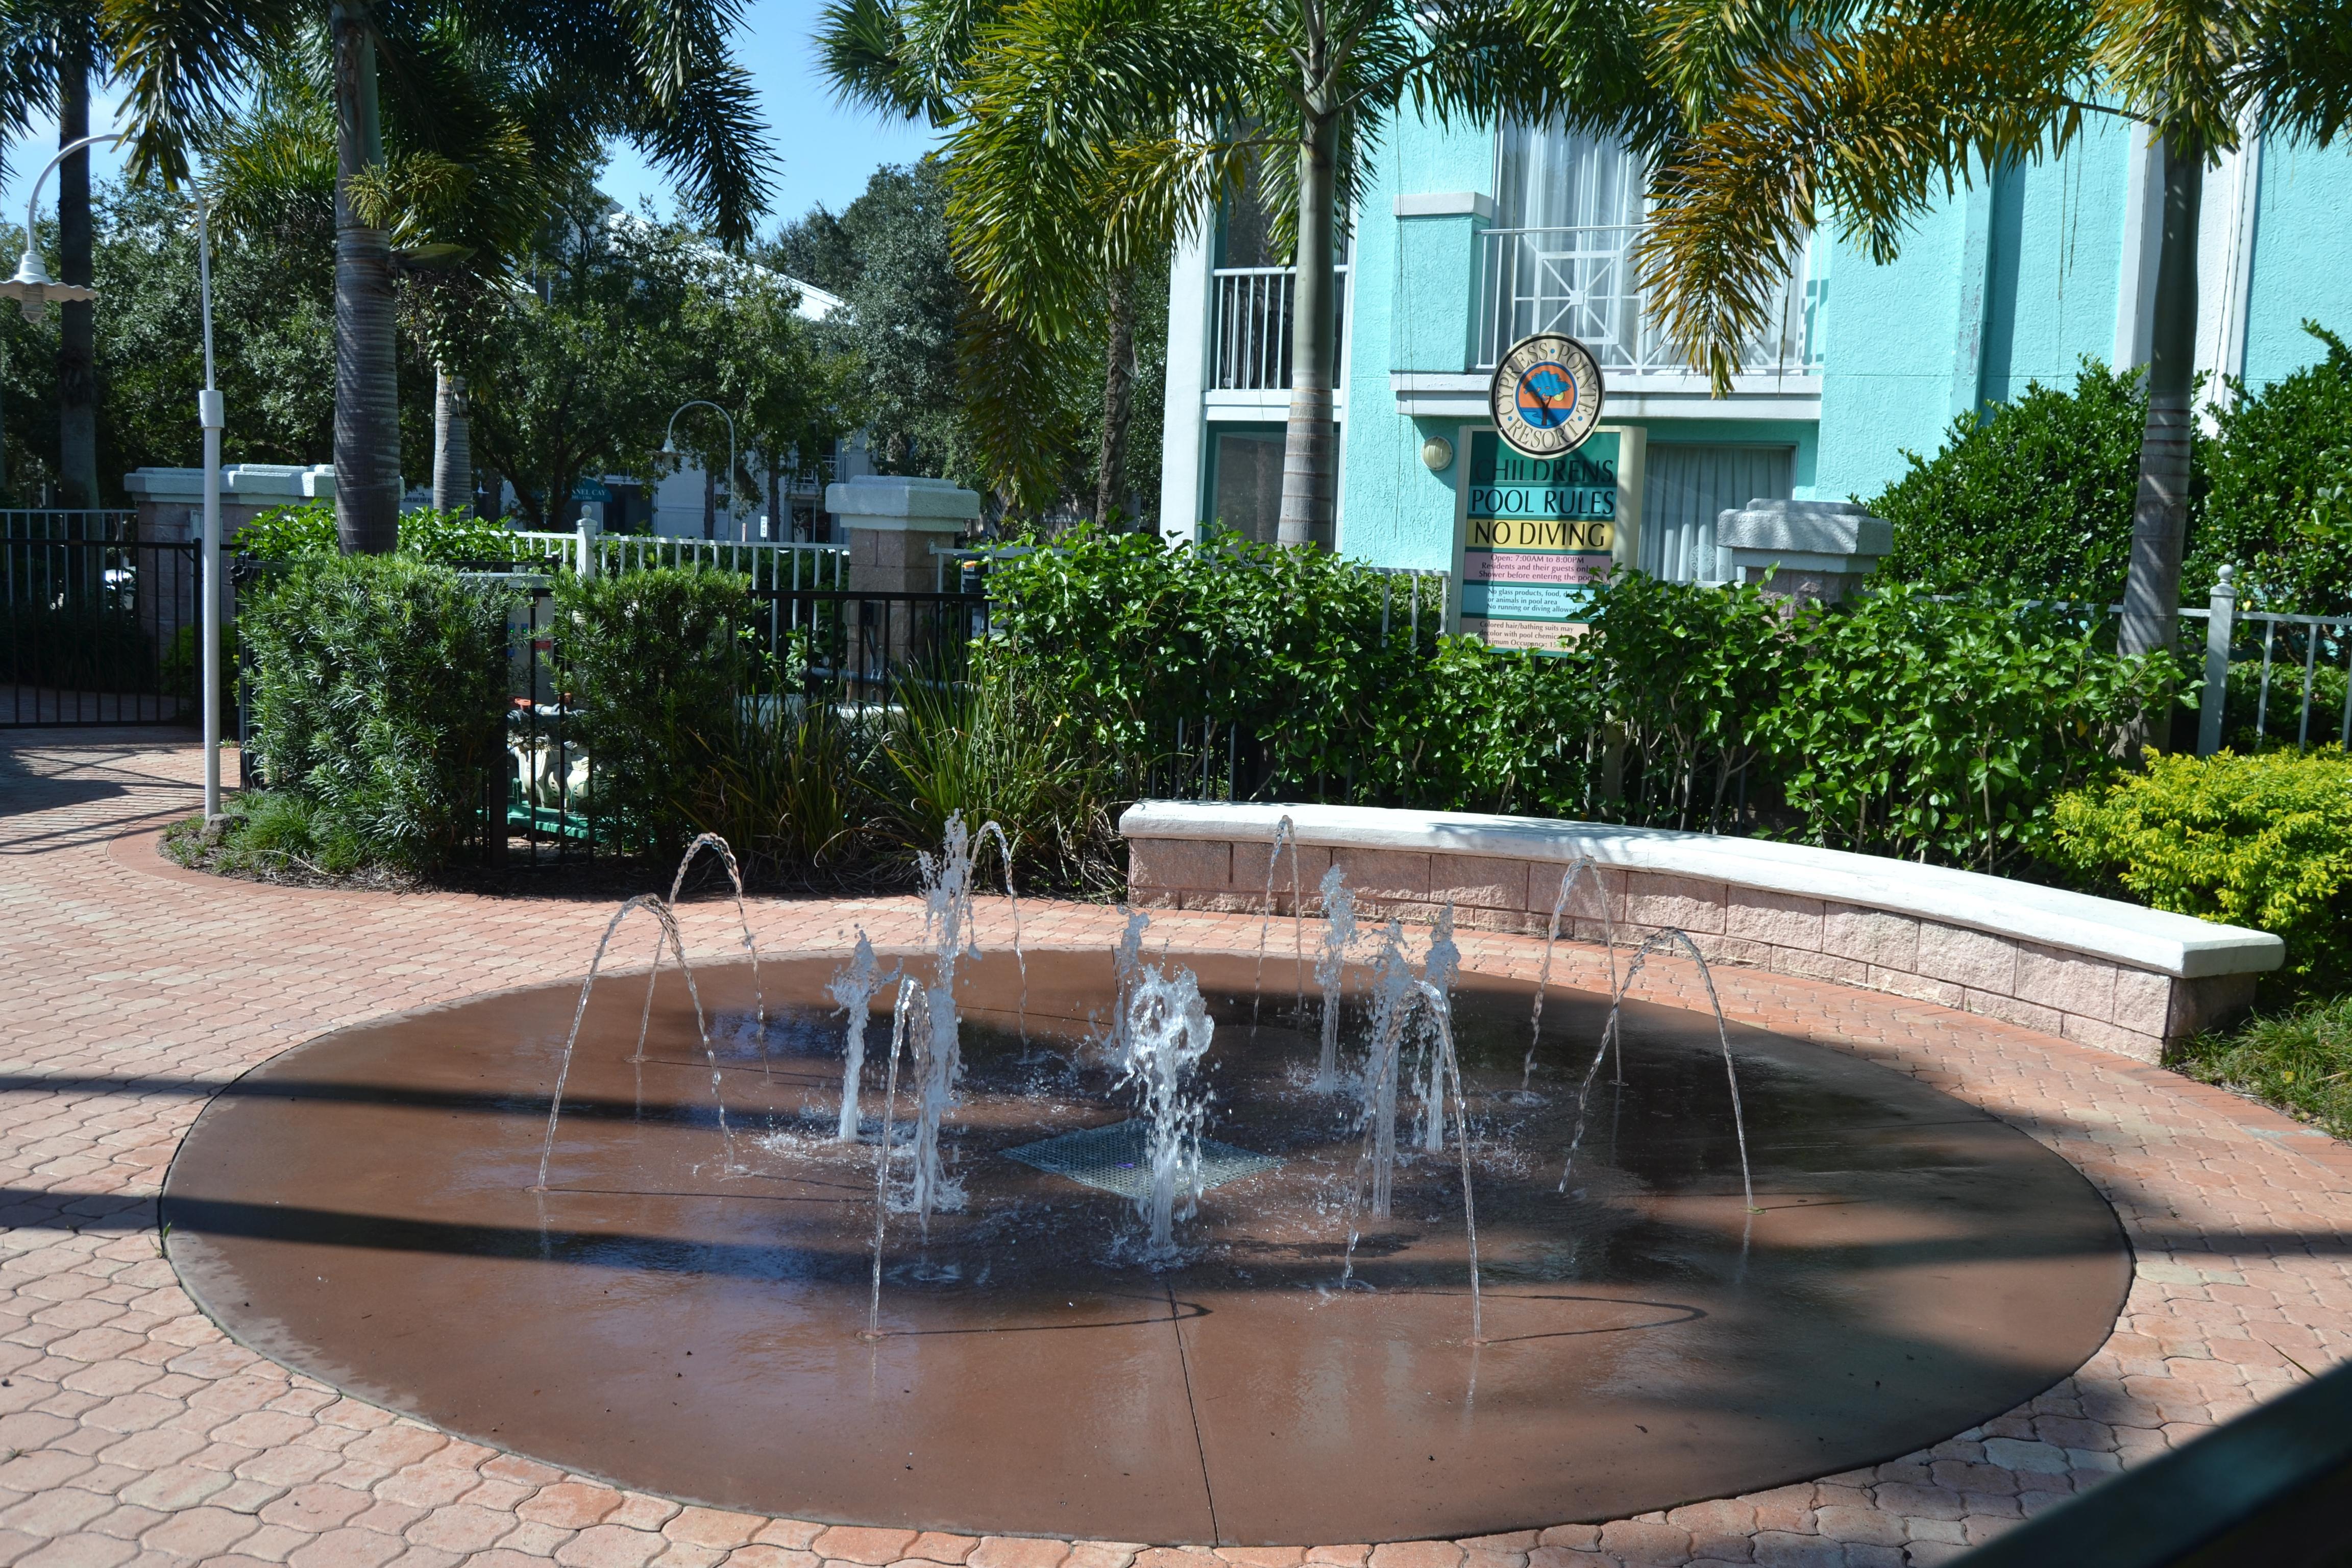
[77,324]
[1307,452]
[453,445]
[1119,391]
[367,416]
[2160,511]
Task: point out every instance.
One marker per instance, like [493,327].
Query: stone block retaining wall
[2095,1001]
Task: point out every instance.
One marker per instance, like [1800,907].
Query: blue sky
[824,150]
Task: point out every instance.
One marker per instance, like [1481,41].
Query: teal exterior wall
[2014,281]
[2302,264]
[2054,265]
[1415,308]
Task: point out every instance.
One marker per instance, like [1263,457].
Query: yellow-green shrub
[2263,841]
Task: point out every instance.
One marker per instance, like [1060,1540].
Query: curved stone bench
[2105,973]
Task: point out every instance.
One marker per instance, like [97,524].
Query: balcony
[1583,282]
[1249,347]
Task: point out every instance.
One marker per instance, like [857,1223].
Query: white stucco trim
[1182,450]
[1446,203]
[2225,253]
[2142,247]
[1273,403]
[2144,939]
[1435,394]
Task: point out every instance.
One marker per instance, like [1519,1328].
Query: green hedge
[2263,841]
[449,538]
[1897,724]
[378,688]
[2033,498]
[657,663]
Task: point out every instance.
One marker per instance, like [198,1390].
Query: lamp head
[36,291]
[670,445]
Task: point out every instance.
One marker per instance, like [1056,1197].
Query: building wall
[2014,281]
[2300,265]
[1416,301]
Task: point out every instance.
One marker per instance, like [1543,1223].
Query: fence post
[589,549]
[2219,630]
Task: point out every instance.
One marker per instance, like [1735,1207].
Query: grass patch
[277,837]
[2299,1062]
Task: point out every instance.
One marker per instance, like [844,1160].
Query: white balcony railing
[1250,327]
[1583,282]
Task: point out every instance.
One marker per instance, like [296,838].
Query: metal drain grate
[1114,1159]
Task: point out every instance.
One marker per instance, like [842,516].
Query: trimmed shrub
[1134,636]
[2280,503]
[2033,498]
[378,686]
[1482,729]
[2263,841]
[656,662]
[1941,729]
[450,538]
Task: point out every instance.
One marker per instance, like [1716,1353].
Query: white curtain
[1682,490]
[1560,179]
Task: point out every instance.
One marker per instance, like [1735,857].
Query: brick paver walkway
[132,1429]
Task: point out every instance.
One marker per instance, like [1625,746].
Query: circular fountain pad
[686,1319]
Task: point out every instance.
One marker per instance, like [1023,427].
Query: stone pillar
[1815,550]
[890,524]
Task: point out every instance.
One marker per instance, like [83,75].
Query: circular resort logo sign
[1546,394]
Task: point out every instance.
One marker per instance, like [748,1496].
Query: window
[1553,179]
[1246,483]
[1682,488]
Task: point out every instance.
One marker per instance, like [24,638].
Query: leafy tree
[273,338]
[658,74]
[622,321]
[904,302]
[911,59]
[1095,133]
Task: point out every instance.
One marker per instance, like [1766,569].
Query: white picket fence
[770,564]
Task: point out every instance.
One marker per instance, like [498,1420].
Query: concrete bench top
[2179,945]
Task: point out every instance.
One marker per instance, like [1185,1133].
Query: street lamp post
[34,290]
[669,449]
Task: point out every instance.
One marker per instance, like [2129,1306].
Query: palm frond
[184,63]
[1872,127]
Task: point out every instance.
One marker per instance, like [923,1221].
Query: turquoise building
[1471,240]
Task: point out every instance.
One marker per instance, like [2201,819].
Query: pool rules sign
[1546,502]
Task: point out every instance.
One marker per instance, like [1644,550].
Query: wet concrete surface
[679,1312]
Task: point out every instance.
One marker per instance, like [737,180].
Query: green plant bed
[2299,1062]
[278,838]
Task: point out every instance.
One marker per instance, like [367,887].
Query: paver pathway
[132,1430]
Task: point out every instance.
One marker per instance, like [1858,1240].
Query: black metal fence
[852,652]
[97,629]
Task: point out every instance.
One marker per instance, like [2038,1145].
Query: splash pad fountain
[1111,1241]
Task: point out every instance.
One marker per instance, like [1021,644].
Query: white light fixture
[36,291]
[33,288]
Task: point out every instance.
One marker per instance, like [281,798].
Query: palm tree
[1095,133]
[908,58]
[459,220]
[48,51]
[657,74]
[1873,118]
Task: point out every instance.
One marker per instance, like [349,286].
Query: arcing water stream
[1159,1038]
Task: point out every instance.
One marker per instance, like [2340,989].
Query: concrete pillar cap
[897,502]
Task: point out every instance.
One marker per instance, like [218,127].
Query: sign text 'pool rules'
[1534,534]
